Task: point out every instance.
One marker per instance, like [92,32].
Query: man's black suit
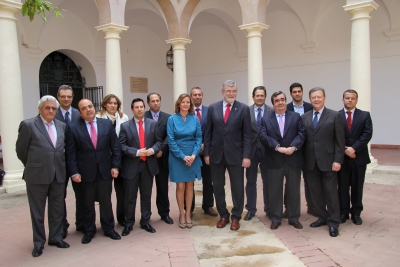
[280,165]
[76,186]
[135,172]
[324,145]
[227,144]
[162,200]
[352,173]
[94,165]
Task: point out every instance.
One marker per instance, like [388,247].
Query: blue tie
[315,120]
[258,122]
[66,118]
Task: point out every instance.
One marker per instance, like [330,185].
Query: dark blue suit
[352,174]
[280,165]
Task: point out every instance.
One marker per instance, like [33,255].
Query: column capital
[254,29]
[8,9]
[178,43]
[111,28]
[361,10]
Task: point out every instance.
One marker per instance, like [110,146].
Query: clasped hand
[285,150]
[143,152]
[189,160]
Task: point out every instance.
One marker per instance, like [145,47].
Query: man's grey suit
[227,144]
[135,172]
[44,174]
[324,145]
[256,155]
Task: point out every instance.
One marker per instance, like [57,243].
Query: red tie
[93,134]
[227,112]
[198,115]
[141,138]
[348,120]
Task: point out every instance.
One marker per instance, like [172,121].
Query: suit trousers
[351,178]
[251,184]
[162,180]
[275,186]
[236,177]
[306,193]
[37,195]
[65,221]
[120,194]
[101,190]
[79,204]
[144,182]
[324,193]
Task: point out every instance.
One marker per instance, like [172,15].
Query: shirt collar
[256,108]
[137,121]
[302,104]
[152,113]
[352,110]
[199,107]
[320,111]
[45,122]
[277,115]
[95,121]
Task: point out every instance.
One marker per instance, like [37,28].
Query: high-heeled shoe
[189,225]
[182,225]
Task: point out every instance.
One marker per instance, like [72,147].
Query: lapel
[132,126]
[253,117]
[147,132]
[324,116]
[40,125]
[60,133]
[274,123]
[204,115]
[220,111]
[344,122]
[234,111]
[308,120]
[356,120]
[288,117]
[84,131]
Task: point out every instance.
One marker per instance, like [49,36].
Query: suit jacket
[162,133]
[325,144]
[130,144]
[74,116]
[36,151]
[118,121]
[86,160]
[294,134]
[204,112]
[231,139]
[255,133]
[360,134]
[307,106]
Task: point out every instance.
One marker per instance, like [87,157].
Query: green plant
[31,8]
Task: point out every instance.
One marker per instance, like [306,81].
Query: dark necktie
[348,120]
[141,138]
[315,120]
[66,118]
[198,115]
[227,112]
[258,122]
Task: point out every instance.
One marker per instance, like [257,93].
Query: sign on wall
[139,85]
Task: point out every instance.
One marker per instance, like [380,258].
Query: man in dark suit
[162,178]
[227,145]
[357,126]
[283,135]
[139,144]
[299,106]
[208,192]
[40,147]
[93,157]
[257,111]
[67,114]
[324,152]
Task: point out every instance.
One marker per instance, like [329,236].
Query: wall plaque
[139,85]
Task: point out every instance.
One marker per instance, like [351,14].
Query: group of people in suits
[329,147]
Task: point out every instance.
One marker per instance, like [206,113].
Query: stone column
[180,83]
[255,60]
[360,56]
[113,58]
[10,95]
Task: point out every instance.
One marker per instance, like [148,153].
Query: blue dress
[184,139]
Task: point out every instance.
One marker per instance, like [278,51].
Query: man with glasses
[67,114]
[227,146]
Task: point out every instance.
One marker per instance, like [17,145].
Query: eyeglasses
[50,108]
[230,91]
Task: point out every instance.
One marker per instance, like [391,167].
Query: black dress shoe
[126,231]
[210,211]
[37,251]
[333,231]
[86,239]
[356,220]
[249,216]
[275,225]
[284,215]
[148,228]
[296,224]
[59,244]
[344,218]
[167,219]
[64,234]
[113,235]
[317,224]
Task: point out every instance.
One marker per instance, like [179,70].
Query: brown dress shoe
[235,225]
[275,225]
[222,222]
[296,224]
[210,211]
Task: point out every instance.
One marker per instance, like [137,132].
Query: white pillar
[10,95]
[180,82]
[113,58]
[360,56]
[255,60]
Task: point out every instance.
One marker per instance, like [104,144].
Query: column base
[13,182]
[372,165]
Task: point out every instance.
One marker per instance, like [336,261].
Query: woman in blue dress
[184,140]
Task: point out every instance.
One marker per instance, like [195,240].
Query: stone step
[386,169]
